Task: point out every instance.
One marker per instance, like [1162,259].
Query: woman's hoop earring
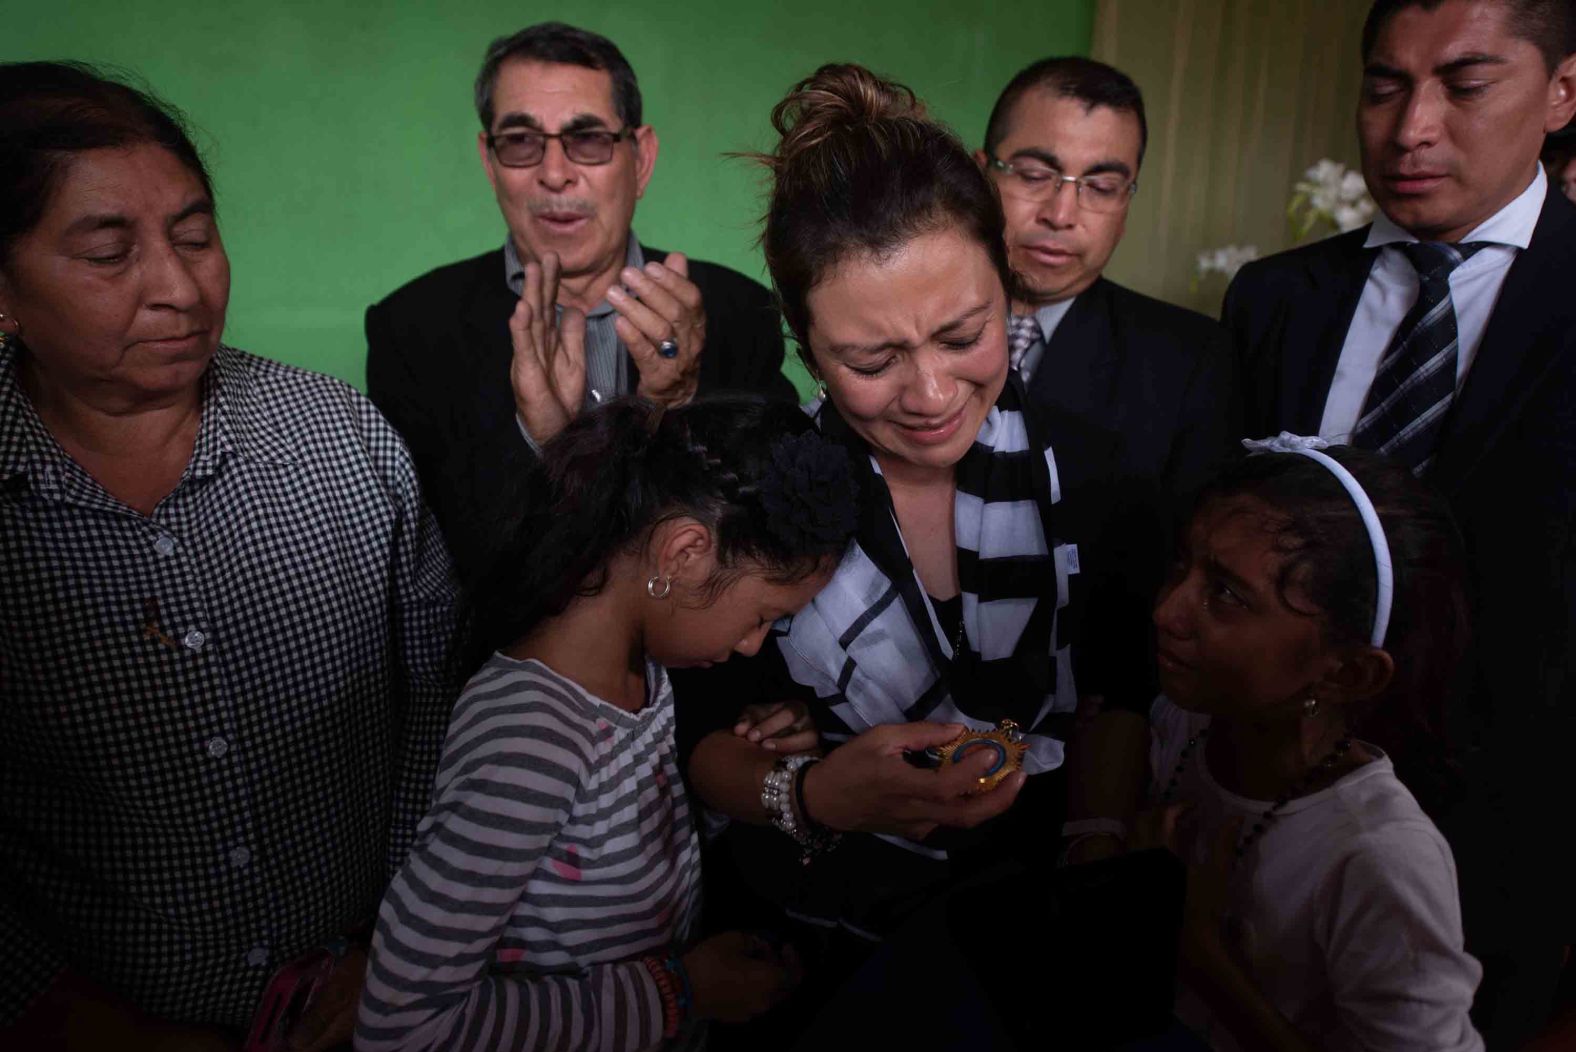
[1310,708]
[652,586]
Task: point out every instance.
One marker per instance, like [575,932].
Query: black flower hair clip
[809,493]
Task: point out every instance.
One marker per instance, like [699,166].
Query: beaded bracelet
[674,986]
[777,794]
[782,788]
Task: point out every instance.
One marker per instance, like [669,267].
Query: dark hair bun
[860,168]
[835,98]
[809,493]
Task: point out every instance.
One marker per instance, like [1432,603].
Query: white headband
[1309,446]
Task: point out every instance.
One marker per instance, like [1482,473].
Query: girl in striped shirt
[552,895]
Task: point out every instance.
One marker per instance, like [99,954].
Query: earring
[1310,708]
[652,586]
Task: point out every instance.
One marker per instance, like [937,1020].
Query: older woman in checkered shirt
[225,614]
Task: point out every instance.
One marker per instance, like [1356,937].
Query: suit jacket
[1160,380]
[1160,376]
[1507,463]
[438,355]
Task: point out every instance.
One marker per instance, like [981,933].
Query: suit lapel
[1311,342]
[1079,362]
[1513,353]
[485,346]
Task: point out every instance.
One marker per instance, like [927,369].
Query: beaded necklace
[1272,812]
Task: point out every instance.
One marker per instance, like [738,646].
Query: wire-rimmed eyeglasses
[1037,181]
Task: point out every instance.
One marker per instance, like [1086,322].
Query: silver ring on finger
[668,348]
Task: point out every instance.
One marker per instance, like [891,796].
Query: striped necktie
[1022,331]
[1413,387]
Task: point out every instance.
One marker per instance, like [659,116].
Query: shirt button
[240,856]
[257,956]
[217,747]
[165,545]
[195,639]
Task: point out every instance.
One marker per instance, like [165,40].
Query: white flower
[1226,261]
[1348,217]
[1330,193]
[1325,172]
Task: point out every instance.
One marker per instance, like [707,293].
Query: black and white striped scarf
[870,644]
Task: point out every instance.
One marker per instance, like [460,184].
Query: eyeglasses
[525,149]
[1104,192]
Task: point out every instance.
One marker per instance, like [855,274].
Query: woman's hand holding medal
[867,785]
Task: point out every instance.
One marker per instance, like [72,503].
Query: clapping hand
[655,304]
[549,367]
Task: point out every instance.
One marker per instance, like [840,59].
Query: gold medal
[1005,743]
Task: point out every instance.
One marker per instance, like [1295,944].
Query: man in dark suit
[1445,336]
[1064,145]
[480,362]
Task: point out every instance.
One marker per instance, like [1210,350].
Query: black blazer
[1160,376]
[1507,463]
[438,355]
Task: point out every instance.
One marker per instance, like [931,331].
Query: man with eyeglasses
[1063,146]
[480,362]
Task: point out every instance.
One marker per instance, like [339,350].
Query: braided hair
[777,497]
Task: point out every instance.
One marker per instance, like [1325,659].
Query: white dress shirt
[1393,287]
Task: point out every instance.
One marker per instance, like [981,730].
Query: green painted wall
[342,138]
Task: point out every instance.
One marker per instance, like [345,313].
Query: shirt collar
[233,421]
[25,445]
[514,270]
[1051,315]
[1512,225]
[235,416]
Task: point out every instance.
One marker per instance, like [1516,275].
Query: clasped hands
[548,370]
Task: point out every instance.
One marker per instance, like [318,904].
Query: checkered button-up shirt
[218,723]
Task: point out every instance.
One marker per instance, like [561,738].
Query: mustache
[579,206]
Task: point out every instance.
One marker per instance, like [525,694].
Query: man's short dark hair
[564,45]
[1091,83]
[1549,25]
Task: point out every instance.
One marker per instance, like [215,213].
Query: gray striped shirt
[559,850]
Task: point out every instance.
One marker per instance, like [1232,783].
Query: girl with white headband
[1317,594]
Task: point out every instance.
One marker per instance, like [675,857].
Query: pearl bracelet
[777,799]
